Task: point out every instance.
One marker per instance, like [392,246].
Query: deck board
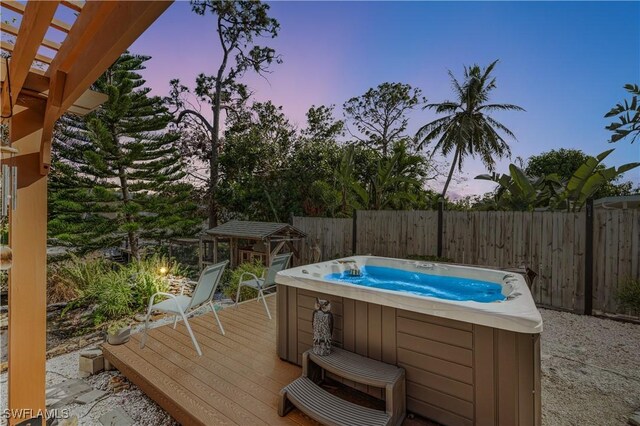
[236,381]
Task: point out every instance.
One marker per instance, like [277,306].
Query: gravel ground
[590,376]
[590,370]
[140,408]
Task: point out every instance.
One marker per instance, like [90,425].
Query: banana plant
[521,192]
[587,179]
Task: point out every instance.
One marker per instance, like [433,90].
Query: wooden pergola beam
[34,25]
[74,5]
[21,9]
[111,36]
[101,33]
[10,29]
[87,25]
[9,47]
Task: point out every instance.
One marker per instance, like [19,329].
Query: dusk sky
[565,63]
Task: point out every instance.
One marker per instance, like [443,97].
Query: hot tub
[467,337]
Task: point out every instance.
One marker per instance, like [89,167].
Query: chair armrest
[251,275]
[161,293]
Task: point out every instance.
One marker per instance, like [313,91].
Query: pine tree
[117,172]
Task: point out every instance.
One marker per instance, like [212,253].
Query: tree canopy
[555,189]
[239,25]
[117,172]
[564,162]
[628,115]
[468,129]
[380,114]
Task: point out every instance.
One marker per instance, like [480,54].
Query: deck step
[357,368]
[328,409]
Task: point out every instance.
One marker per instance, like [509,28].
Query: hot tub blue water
[443,287]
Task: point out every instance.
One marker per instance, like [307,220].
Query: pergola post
[99,34]
[28,276]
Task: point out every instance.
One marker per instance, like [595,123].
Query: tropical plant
[79,275]
[564,162]
[397,183]
[380,114]
[519,191]
[468,129]
[345,177]
[587,179]
[628,114]
[238,24]
[112,298]
[147,277]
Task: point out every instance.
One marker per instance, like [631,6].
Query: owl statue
[322,323]
[316,252]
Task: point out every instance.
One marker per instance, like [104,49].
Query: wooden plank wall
[397,233]
[616,255]
[334,236]
[550,243]
[457,373]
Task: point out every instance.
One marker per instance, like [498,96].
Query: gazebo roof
[256,230]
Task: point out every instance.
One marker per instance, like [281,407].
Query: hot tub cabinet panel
[458,373]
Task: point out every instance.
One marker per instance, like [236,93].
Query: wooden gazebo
[43,79]
[249,241]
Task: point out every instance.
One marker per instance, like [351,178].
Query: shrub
[231,288]
[629,295]
[75,278]
[147,277]
[116,291]
[113,295]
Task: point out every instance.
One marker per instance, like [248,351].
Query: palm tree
[468,129]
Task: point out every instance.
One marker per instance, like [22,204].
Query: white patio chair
[185,306]
[263,283]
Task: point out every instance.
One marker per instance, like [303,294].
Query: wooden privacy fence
[333,236]
[554,244]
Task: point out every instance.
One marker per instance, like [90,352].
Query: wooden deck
[236,381]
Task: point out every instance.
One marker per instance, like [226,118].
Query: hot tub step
[356,367]
[326,408]
[366,371]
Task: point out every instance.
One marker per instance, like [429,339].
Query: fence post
[588,259]
[440,225]
[354,232]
